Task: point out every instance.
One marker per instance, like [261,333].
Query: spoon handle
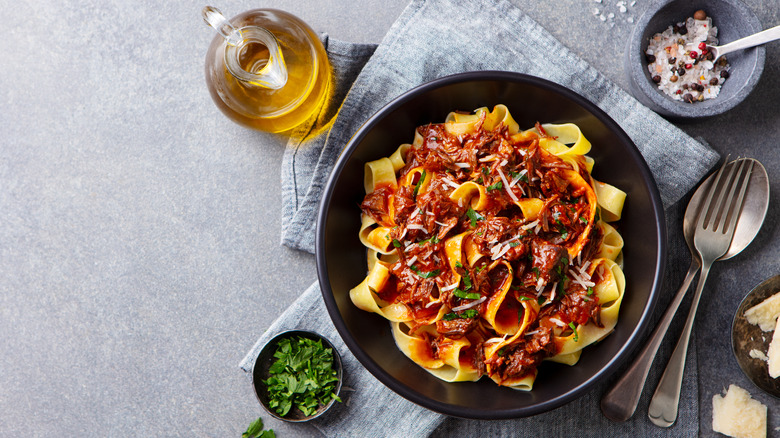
[759,38]
[666,399]
[619,403]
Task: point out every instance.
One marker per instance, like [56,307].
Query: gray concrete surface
[139,228]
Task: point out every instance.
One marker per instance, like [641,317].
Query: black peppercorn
[725,74]
[681,71]
[714,81]
[656,79]
[688,97]
[650,59]
[672,60]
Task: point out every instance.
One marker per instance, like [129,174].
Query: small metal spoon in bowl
[620,402]
[756,39]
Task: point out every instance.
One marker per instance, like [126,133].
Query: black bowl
[341,258]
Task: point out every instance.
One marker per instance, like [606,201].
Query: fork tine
[704,212]
[717,213]
[722,207]
[734,208]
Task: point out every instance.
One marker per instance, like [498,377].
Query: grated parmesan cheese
[738,415]
[773,354]
[764,313]
[758,354]
[449,288]
[506,185]
[469,305]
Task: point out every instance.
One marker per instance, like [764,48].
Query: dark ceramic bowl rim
[375,369]
[260,386]
[659,102]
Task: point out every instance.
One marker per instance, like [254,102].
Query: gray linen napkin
[421,46]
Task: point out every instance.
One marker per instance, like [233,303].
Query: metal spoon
[620,402]
[756,39]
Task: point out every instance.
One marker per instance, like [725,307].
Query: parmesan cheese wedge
[738,415]
[764,313]
[773,354]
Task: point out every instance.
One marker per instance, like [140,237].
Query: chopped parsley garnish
[495,186]
[524,298]
[430,274]
[480,268]
[583,220]
[470,313]
[536,272]
[466,295]
[485,171]
[302,376]
[458,265]
[590,291]
[513,244]
[466,282]
[541,300]
[396,243]
[524,177]
[419,183]
[564,233]
[433,240]
[480,181]
[474,216]
[574,329]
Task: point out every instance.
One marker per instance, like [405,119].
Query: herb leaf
[466,295]
[430,274]
[495,186]
[396,243]
[574,329]
[419,183]
[470,313]
[474,216]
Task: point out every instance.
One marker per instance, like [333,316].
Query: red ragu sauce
[422,222]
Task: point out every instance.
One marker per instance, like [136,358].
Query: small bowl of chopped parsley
[297,376]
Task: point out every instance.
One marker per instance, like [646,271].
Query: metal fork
[712,238]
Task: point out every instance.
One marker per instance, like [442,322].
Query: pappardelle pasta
[489,248]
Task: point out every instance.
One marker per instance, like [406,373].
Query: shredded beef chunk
[551,260]
[457,328]
[375,203]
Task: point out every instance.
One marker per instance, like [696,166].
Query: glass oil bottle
[266,69]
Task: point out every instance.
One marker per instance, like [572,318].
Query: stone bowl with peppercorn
[671,69]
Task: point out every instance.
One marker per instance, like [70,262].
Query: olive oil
[273,76]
